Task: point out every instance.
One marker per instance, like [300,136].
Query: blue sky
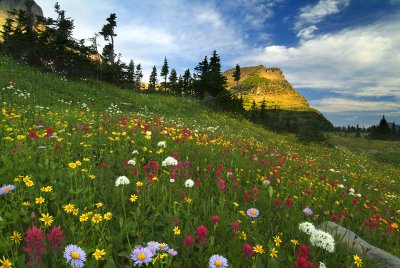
[342,55]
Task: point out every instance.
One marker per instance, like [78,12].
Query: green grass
[237,166]
[378,150]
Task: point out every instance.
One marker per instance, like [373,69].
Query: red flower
[34,246]
[49,131]
[302,251]
[197,183]
[246,196]
[215,218]
[255,190]
[288,202]
[222,185]
[277,203]
[103,164]
[135,171]
[334,217]
[247,250]
[201,234]
[188,241]
[33,135]
[235,225]
[55,238]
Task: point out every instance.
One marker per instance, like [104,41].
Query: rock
[6,5]
[385,259]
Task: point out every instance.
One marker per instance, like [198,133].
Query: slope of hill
[117,169]
[283,101]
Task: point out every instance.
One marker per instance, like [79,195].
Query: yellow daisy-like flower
[16,237]
[84,217]
[69,208]
[97,218]
[133,198]
[98,254]
[29,183]
[357,260]
[75,212]
[258,249]
[78,163]
[26,203]
[139,184]
[273,253]
[235,204]
[47,189]
[47,219]
[107,216]
[99,205]
[72,165]
[188,200]
[176,230]
[277,240]
[92,177]
[5,263]
[86,159]
[294,242]
[39,200]
[243,236]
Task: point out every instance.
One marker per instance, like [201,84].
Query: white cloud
[340,105]
[310,15]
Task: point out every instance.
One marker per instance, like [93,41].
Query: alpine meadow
[102,168]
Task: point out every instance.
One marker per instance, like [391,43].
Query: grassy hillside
[231,188]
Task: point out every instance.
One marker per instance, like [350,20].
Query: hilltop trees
[382,131]
[108,33]
[153,79]
[236,74]
[164,72]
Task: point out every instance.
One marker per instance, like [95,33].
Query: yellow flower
[47,219]
[98,254]
[29,183]
[97,218]
[16,237]
[235,204]
[242,212]
[188,200]
[92,177]
[75,212]
[273,253]
[5,263]
[39,200]
[294,242]
[84,217]
[139,184]
[46,189]
[243,236]
[107,216]
[72,165]
[277,240]
[99,205]
[69,208]
[20,137]
[133,198]
[258,249]
[86,159]
[176,230]
[357,260]
[78,163]
[26,204]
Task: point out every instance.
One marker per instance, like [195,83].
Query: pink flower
[201,234]
[188,241]
[34,246]
[247,250]
[215,218]
[55,238]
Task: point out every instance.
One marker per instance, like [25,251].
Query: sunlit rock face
[6,5]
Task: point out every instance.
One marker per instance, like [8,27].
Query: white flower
[323,240]
[121,180]
[135,152]
[169,161]
[189,183]
[321,265]
[162,144]
[148,133]
[307,227]
[340,185]
[132,162]
[172,180]
[358,195]
[266,182]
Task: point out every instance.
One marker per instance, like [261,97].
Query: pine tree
[202,78]
[217,79]
[236,74]
[382,131]
[138,76]
[164,72]
[153,79]
[173,80]
[108,32]
[130,74]
[187,86]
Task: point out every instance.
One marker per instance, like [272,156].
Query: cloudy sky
[342,55]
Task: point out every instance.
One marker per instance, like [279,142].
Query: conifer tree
[173,81]
[236,74]
[153,79]
[187,87]
[108,33]
[164,72]
[138,76]
[130,74]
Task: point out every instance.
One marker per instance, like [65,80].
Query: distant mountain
[284,103]
[6,5]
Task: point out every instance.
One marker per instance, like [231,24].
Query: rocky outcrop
[6,5]
[350,239]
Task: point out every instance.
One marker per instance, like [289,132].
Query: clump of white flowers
[169,161]
[162,144]
[189,183]
[121,180]
[132,162]
[318,238]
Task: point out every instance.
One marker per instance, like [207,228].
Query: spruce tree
[153,79]
[173,80]
[138,76]
[186,83]
[164,72]
[108,33]
[236,74]
[130,74]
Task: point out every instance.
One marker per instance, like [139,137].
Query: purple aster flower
[40,126]
[172,252]
[53,137]
[41,147]
[308,211]
[162,246]
[153,246]
[6,189]
[75,256]
[253,212]
[141,255]
[218,261]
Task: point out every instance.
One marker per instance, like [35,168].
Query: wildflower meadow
[95,176]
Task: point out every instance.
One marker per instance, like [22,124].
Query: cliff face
[284,103]
[6,5]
